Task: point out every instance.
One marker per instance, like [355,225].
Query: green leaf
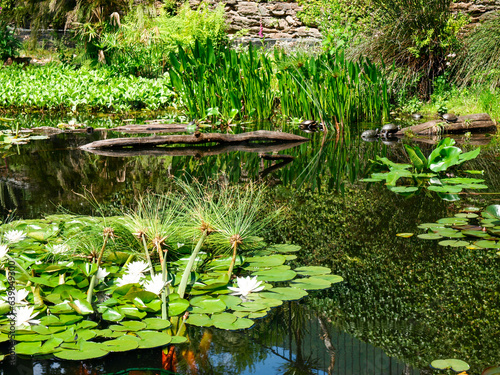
[429,236]
[275,275]
[207,305]
[200,320]
[240,323]
[417,158]
[453,243]
[122,344]
[153,339]
[156,324]
[456,365]
[493,210]
[313,270]
[88,350]
[177,306]
[28,348]
[310,283]
[112,315]
[285,294]
[82,307]
[128,326]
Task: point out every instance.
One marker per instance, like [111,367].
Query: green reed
[326,87]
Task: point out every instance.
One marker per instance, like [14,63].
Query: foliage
[479,62]
[416,35]
[9,45]
[327,86]
[58,87]
[141,44]
[461,230]
[124,295]
[443,157]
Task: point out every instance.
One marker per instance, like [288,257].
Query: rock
[290,20]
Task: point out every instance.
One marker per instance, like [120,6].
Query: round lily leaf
[429,236]
[177,306]
[200,320]
[475,233]
[223,318]
[452,220]
[466,215]
[313,270]
[266,261]
[122,344]
[207,305]
[153,339]
[456,365]
[88,350]
[128,326]
[132,312]
[156,324]
[112,315]
[230,301]
[453,243]
[257,315]
[445,189]
[240,323]
[275,275]
[331,278]
[430,225]
[284,248]
[485,244]
[311,283]
[86,324]
[178,340]
[86,334]
[404,235]
[403,189]
[285,294]
[28,348]
[250,306]
[32,337]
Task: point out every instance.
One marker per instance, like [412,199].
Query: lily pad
[404,235]
[207,305]
[122,344]
[311,283]
[128,326]
[223,319]
[28,348]
[156,324]
[285,294]
[488,244]
[88,350]
[313,270]
[453,243]
[153,339]
[275,275]
[285,248]
[200,320]
[240,323]
[429,236]
[456,365]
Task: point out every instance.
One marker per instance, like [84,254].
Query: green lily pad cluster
[427,172]
[467,229]
[125,316]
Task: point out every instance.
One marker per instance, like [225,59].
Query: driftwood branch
[197,138]
[476,123]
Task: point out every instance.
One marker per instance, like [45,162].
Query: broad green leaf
[274,275]
[200,320]
[313,270]
[153,339]
[310,283]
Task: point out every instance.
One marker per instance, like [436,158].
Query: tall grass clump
[479,63]
[205,77]
[415,36]
[332,88]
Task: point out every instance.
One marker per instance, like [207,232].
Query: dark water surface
[404,302]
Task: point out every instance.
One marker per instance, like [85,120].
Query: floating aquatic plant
[125,297]
[427,172]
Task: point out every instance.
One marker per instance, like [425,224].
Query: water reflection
[292,340]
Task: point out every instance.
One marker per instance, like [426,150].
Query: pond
[404,302]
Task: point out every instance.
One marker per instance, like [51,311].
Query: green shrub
[141,45]
[415,35]
[9,45]
[59,87]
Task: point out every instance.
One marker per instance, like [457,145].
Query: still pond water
[404,302]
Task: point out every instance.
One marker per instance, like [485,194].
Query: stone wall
[279,19]
[478,10]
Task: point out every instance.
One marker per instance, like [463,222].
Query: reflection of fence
[324,349]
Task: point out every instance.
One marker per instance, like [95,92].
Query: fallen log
[476,123]
[196,138]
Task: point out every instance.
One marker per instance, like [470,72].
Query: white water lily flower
[246,285]
[19,296]
[101,273]
[137,268]
[58,249]
[129,278]
[156,284]
[24,316]
[4,249]
[14,236]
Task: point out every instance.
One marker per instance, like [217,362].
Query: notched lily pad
[313,270]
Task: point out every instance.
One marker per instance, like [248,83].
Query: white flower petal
[14,236]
